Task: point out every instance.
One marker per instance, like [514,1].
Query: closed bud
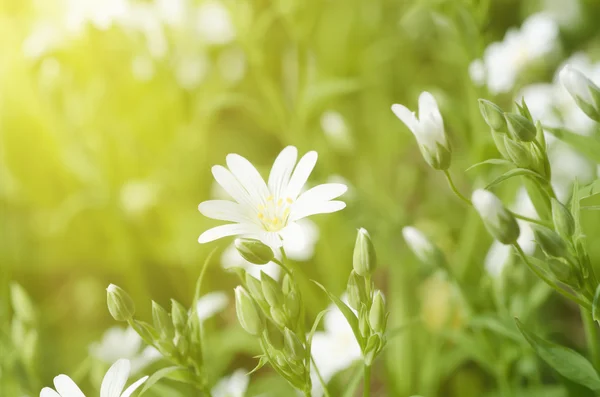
[287,285]
[520,127]
[377,314]
[279,316]
[550,242]
[254,287]
[498,138]
[499,222]
[254,251]
[292,345]
[585,93]
[422,247]
[274,336]
[271,290]
[562,218]
[179,315]
[292,304]
[120,304]
[363,321]
[561,270]
[517,152]
[356,290]
[162,321]
[364,259]
[539,161]
[524,109]
[493,115]
[247,314]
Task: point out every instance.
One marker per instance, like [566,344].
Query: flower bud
[377,315]
[162,321]
[364,259]
[271,290]
[550,242]
[524,109]
[517,152]
[287,285]
[292,345]
[249,318]
[562,218]
[356,290]
[498,138]
[120,304]
[561,270]
[254,287]
[279,316]
[363,321]
[585,93]
[520,127]
[422,247]
[179,315]
[493,115]
[292,304]
[254,251]
[499,222]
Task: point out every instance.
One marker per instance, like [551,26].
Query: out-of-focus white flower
[138,196]
[210,304]
[499,254]
[124,343]
[477,72]
[172,12]
[213,23]
[268,211]
[418,243]
[44,37]
[232,64]
[100,13]
[499,222]
[190,71]
[567,165]
[234,385]
[143,18]
[112,385]
[428,129]
[142,68]
[504,61]
[335,348]
[583,90]
[336,130]
[299,245]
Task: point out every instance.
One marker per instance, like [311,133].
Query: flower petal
[66,387]
[320,193]
[233,229]
[317,208]
[428,106]
[301,174]
[225,210]
[232,186]
[279,177]
[271,239]
[115,379]
[249,177]
[133,387]
[406,116]
[48,392]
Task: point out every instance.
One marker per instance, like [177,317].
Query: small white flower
[214,23]
[501,224]
[124,343]
[576,83]
[234,385]
[210,304]
[268,211]
[112,385]
[336,130]
[418,243]
[428,129]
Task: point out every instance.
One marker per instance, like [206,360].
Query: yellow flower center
[273,215]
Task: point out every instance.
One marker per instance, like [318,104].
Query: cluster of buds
[273,312]
[367,302]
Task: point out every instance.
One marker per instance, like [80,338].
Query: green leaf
[158,375]
[492,161]
[495,325]
[576,206]
[512,173]
[354,381]
[261,363]
[596,304]
[348,313]
[589,190]
[565,361]
[314,329]
[586,145]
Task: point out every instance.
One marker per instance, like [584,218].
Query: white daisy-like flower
[268,211]
[112,385]
[124,343]
[234,385]
[210,304]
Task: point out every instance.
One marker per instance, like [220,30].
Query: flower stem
[532,220]
[454,189]
[591,336]
[323,384]
[366,380]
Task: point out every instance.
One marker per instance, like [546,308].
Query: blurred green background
[112,113]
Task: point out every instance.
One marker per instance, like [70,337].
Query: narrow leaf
[596,304]
[158,375]
[589,190]
[491,161]
[512,173]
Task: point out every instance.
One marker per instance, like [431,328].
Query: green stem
[454,189]
[503,383]
[532,220]
[323,384]
[591,336]
[366,380]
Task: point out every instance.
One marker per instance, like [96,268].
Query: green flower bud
[255,288]
[292,304]
[162,321]
[493,115]
[561,270]
[292,345]
[498,138]
[364,259]
[271,290]
[520,127]
[120,304]
[373,347]
[363,321]
[287,285]
[179,315]
[254,251]
[356,289]
[517,152]
[524,109]
[249,317]
[22,304]
[562,218]
[279,316]
[274,336]
[539,161]
[499,222]
[550,242]
[377,314]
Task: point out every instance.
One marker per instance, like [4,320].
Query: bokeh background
[112,113]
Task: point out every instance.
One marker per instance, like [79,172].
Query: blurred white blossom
[138,196]
[210,304]
[213,23]
[190,70]
[99,13]
[336,130]
[234,385]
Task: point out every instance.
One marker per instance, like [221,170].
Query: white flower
[298,244]
[234,385]
[214,23]
[268,211]
[100,13]
[335,348]
[418,243]
[428,129]
[124,343]
[112,384]
[583,90]
[501,224]
[210,304]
